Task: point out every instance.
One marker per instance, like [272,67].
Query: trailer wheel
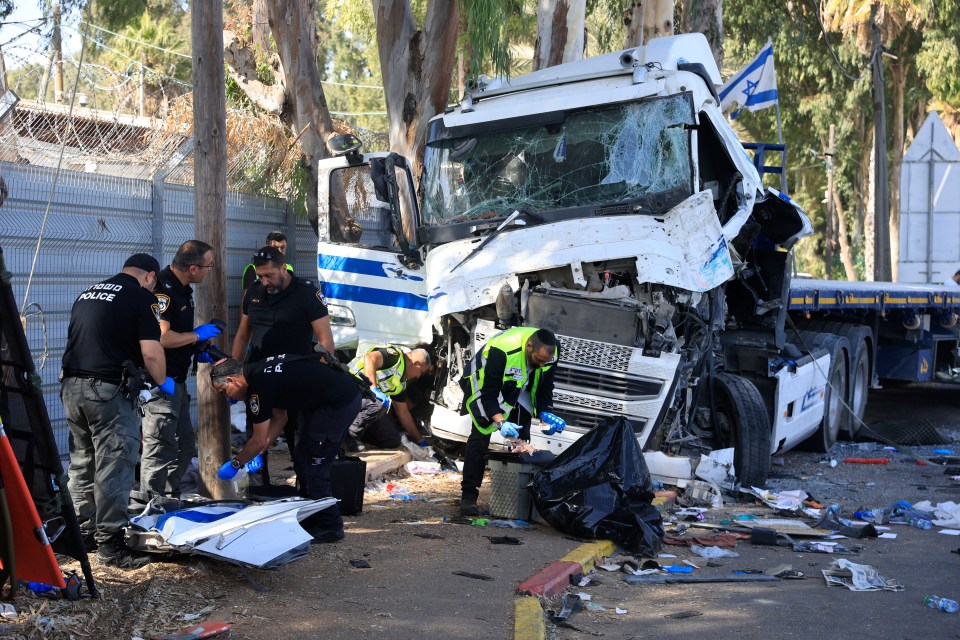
[834,396]
[860,373]
[860,377]
[742,423]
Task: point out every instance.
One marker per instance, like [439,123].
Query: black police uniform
[169,442]
[280,323]
[107,323]
[327,400]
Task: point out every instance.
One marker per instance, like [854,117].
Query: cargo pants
[105,430]
[169,442]
[318,441]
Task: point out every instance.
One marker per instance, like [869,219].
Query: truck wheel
[834,396]
[860,374]
[742,423]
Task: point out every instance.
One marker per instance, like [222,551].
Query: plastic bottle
[920,523]
[944,604]
[240,483]
[876,516]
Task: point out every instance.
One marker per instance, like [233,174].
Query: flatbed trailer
[911,329]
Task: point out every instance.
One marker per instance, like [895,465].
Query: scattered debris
[197,631]
[503,540]
[360,564]
[858,577]
[475,576]
[570,604]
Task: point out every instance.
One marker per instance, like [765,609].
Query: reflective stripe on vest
[389,380]
[512,342]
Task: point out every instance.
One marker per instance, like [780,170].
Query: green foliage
[939,57]
[486,33]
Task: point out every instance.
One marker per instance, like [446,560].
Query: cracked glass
[598,156]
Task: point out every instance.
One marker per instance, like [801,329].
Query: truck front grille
[588,420]
[605,384]
[599,355]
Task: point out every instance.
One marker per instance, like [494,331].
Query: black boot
[116,553]
[468,506]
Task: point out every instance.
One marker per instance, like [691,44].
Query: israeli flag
[753,87]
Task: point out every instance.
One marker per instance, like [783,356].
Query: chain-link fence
[94,223]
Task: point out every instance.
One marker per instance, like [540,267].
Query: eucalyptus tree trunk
[657,19]
[633,14]
[417,67]
[706,17]
[560,32]
[260,26]
[898,72]
[294,28]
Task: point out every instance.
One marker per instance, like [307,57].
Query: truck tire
[834,395]
[741,422]
[860,372]
[860,377]
[835,413]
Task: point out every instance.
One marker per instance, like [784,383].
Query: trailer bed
[834,295]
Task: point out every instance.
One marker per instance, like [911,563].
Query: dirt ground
[414,547]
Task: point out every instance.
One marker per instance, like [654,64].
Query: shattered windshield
[599,156]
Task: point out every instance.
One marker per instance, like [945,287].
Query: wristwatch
[235,463]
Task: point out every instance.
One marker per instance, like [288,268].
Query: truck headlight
[341,316]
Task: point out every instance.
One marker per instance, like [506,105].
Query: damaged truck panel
[609,201]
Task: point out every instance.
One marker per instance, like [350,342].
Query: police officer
[274,239]
[388,368]
[507,381]
[280,313]
[327,399]
[111,322]
[169,443]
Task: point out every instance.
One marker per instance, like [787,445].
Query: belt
[80,377]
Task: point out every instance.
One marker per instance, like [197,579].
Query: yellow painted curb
[587,554]
[528,620]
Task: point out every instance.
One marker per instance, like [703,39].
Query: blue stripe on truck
[383,297]
[364,267]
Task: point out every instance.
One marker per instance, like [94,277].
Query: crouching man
[327,399]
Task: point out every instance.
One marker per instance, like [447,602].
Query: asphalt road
[413,548]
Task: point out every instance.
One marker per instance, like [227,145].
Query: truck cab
[609,201]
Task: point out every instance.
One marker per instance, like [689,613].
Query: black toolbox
[348,477]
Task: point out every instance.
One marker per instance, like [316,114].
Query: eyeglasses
[205,266]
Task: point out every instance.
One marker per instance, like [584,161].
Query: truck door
[368,265]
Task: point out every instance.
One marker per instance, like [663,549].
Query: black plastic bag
[600,488]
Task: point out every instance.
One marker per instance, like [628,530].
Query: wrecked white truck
[609,201]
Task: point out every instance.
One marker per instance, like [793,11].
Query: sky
[27,14]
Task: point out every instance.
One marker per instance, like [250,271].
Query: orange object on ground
[867,460]
[197,631]
[35,561]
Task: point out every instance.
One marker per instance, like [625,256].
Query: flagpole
[783,154]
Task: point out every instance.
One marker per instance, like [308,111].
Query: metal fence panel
[95,222]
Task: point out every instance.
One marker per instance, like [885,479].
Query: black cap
[143,261]
[267,254]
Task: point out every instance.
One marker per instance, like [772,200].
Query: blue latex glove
[509,430]
[232,401]
[206,331]
[382,397]
[167,386]
[227,472]
[556,423]
[423,443]
[254,465]
[205,358]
